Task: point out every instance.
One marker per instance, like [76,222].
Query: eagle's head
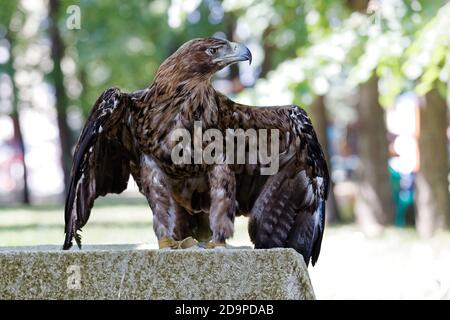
[202,57]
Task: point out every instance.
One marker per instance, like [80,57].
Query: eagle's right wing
[287,209]
[290,210]
[101,163]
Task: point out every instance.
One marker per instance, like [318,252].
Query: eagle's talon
[187,243]
[167,243]
[216,245]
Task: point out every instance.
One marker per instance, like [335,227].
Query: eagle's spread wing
[287,209]
[290,212]
[294,214]
[101,161]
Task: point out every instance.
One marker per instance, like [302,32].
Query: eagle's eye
[212,51]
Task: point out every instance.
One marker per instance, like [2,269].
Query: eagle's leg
[183,227]
[153,185]
[223,204]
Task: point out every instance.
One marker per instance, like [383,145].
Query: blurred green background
[373,75]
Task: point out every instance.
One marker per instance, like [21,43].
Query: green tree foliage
[123,44]
[428,57]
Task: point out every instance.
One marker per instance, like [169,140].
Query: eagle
[132,134]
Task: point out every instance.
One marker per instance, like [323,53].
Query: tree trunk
[234,76]
[432,198]
[320,122]
[57,53]
[18,137]
[268,48]
[374,206]
[15,118]
[83,99]
[358,5]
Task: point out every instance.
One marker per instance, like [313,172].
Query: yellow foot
[166,242]
[187,243]
[212,244]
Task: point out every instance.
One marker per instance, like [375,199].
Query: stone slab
[136,272]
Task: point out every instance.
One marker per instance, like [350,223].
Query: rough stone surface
[133,272]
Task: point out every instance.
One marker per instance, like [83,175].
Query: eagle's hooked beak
[241,52]
[237,52]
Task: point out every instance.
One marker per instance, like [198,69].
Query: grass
[113,220]
[395,265]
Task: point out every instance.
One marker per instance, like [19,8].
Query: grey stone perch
[133,272]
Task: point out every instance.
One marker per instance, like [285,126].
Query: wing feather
[289,210]
[100,162]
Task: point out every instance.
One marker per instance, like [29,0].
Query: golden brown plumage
[131,133]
